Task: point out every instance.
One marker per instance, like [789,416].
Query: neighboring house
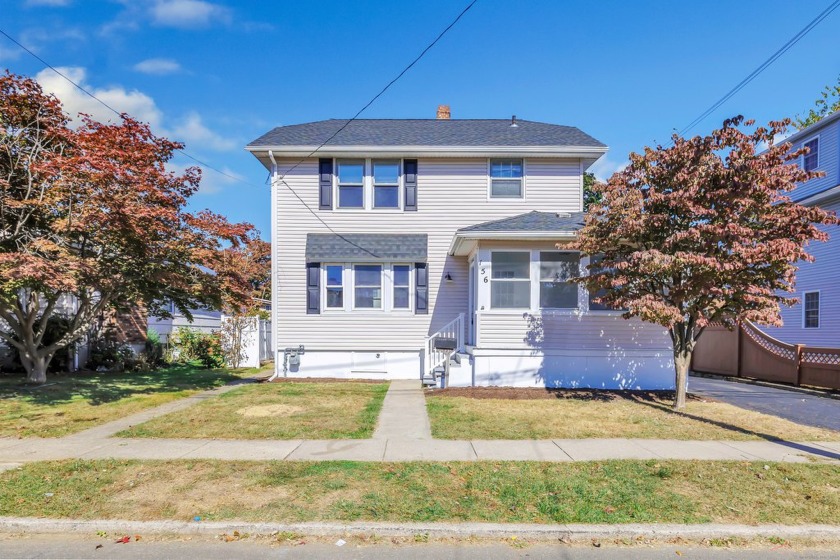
[815,321]
[412,230]
[203,320]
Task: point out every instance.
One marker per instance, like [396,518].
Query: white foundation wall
[649,370]
[355,365]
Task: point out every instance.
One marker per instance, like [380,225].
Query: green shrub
[108,354]
[154,349]
[190,344]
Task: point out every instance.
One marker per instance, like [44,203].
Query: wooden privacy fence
[748,352]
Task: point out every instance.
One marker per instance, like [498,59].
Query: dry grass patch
[288,410]
[530,492]
[490,413]
[69,403]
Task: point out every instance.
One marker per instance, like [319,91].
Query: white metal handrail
[434,358]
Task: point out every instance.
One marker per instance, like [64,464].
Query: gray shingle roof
[532,221]
[367,247]
[427,132]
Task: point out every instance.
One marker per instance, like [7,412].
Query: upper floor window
[811,310]
[351,184]
[811,160]
[556,269]
[386,184]
[506,178]
[510,285]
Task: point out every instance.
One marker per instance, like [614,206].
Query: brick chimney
[443,112]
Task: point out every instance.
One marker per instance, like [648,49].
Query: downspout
[275,327]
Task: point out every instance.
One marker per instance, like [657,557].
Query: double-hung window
[386,184]
[335,286]
[505,178]
[351,184]
[811,160]
[367,286]
[811,318]
[510,284]
[401,281]
[556,270]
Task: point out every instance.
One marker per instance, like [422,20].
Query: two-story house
[815,320]
[398,233]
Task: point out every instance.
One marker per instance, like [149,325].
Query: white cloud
[188,13]
[9,53]
[191,130]
[605,167]
[158,66]
[53,3]
[135,103]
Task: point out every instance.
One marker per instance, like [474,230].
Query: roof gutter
[462,237]
[821,197]
[439,151]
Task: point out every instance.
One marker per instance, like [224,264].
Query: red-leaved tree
[90,219]
[702,232]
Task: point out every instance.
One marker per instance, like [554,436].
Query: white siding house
[817,285]
[397,233]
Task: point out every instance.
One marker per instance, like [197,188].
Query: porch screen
[556,292]
[510,284]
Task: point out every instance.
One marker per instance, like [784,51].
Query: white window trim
[344,275]
[819,309]
[530,279]
[348,282]
[819,148]
[367,186]
[382,288]
[490,197]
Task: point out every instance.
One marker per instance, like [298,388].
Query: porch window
[367,281]
[401,286]
[510,285]
[505,178]
[335,286]
[811,160]
[386,184]
[556,269]
[812,310]
[351,184]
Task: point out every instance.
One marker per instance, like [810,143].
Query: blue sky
[216,75]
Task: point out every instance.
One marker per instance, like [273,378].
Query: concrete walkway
[402,434]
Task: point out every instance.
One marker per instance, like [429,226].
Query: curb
[439,530]
[826,393]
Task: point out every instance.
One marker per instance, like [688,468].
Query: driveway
[803,408]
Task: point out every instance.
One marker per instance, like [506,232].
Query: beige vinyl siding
[553,331]
[451,193]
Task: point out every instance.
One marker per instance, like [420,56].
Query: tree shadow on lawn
[99,388]
[662,407]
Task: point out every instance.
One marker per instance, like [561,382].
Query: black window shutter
[325,183]
[421,289]
[313,288]
[410,183]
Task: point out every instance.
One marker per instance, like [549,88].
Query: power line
[107,106]
[763,66]
[281,179]
[383,90]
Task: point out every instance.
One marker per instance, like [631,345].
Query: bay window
[367,284]
[401,280]
[335,286]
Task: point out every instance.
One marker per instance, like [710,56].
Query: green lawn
[602,414]
[593,492]
[283,410]
[69,403]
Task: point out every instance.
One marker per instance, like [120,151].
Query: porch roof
[366,247]
[534,225]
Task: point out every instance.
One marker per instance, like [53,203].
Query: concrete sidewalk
[402,434]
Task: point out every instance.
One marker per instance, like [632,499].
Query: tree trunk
[36,370]
[682,360]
